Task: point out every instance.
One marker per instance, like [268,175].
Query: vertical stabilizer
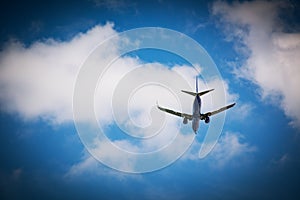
[196,84]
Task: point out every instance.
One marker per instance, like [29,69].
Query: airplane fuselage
[196,113]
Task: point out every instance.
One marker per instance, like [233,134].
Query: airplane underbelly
[196,107]
[195,124]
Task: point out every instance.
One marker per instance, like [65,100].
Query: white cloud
[88,165]
[272,55]
[37,81]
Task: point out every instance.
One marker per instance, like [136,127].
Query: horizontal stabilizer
[190,93]
[204,92]
[199,93]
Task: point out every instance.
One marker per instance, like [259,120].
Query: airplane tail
[197,93]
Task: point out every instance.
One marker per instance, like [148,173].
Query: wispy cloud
[89,166]
[231,148]
[271,54]
[242,111]
[280,161]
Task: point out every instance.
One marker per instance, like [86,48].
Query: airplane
[197,115]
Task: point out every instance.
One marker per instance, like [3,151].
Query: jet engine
[207,120]
[185,120]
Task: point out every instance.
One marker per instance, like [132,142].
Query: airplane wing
[179,114]
[219,110]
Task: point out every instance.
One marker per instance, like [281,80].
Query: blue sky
[255,46]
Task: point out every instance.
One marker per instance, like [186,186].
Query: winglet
[158,105]
[230,106]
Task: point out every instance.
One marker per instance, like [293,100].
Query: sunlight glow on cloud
[272,55]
